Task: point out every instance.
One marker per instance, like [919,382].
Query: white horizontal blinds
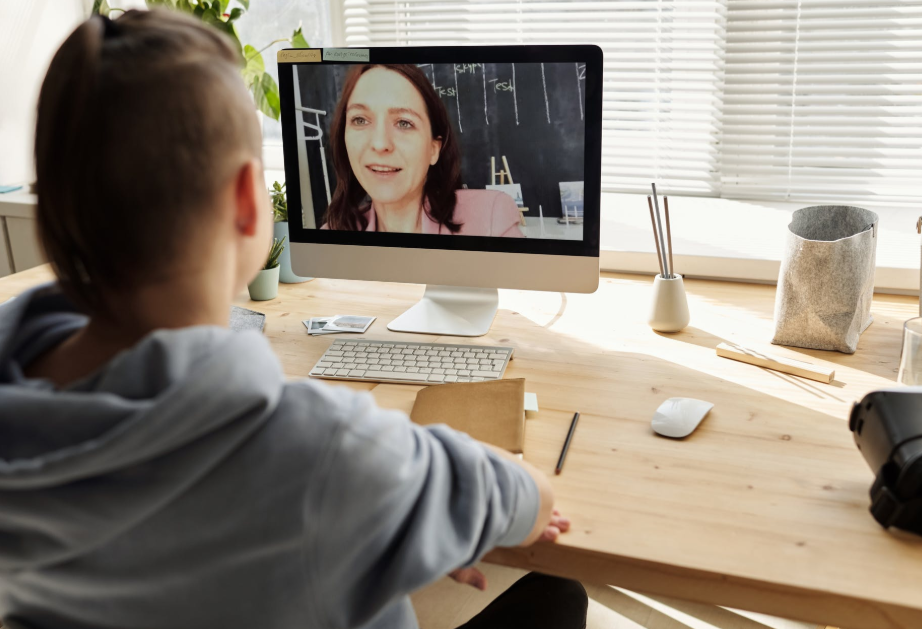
[823,101]
[663,70]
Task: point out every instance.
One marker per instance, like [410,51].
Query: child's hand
[470,576]
[475,578]
[555,527]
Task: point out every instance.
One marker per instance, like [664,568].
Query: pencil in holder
[669,309]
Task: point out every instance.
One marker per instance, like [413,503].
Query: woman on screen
[398,163]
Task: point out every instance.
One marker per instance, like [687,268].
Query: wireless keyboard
[411,363]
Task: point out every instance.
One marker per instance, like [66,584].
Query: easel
[503,175]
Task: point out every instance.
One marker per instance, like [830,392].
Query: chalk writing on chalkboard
[580,77]
[547,107]
[499,85]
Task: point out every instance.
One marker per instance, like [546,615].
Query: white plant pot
[669,310]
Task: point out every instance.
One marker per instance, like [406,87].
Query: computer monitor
[464,168]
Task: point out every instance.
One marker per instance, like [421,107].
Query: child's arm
[402,505]
[545,493]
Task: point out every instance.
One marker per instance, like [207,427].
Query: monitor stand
[450,310]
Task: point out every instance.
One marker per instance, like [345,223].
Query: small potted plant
[280,212]
[266,283]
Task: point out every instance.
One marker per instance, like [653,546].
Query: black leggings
[535,601]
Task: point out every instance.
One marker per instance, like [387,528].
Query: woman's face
[389,137]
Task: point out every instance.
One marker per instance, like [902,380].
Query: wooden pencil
[669,237]
[659,254]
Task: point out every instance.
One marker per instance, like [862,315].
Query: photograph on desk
[474,149]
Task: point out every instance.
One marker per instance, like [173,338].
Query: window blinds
[663,70]
[811,100]
[823,101]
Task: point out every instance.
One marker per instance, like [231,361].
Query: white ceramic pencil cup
[669,310]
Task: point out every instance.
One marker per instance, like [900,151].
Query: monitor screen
[458,148]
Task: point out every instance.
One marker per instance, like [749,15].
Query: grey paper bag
[826,280]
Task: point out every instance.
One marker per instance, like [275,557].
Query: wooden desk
[764,508]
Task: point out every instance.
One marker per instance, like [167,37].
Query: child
[156,470]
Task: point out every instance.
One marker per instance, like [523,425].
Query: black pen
[566,444]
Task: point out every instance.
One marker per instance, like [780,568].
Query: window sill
[740,240]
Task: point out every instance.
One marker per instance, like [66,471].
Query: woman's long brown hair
[346,211]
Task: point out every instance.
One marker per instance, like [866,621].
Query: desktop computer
[467,169]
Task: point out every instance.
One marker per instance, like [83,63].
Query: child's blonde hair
[141,120]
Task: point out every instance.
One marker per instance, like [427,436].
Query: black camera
[888,430]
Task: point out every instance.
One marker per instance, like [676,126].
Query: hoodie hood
[82,464]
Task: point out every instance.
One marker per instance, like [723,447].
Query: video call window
[474,149]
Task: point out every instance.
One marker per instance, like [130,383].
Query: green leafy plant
[279,202]
[278,246]
[260,83]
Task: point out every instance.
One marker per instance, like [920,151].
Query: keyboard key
[412,369]
[401,369]
[451,372]
[498,356]
[436,377]
[387,368]
[425,370]
[438,370]
[464,372]
[333,353]
[486,374]
[463,379]
[356,373]
[342,372]
[393,375]
[324,364]
[451,378]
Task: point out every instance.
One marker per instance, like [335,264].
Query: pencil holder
[669,310]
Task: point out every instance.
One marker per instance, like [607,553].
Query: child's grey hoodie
[186,484]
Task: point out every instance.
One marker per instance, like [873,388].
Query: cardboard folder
[491,411]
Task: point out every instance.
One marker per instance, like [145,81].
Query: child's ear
[248,184]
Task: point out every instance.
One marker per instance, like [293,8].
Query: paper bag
[826,281]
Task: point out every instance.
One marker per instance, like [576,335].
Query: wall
[30,33]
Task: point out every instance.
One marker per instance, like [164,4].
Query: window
[823,101]
[801,101]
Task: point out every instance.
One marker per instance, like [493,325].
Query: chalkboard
[533,113]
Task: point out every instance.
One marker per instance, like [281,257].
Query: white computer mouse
[679,416]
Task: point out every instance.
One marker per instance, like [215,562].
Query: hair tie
[110,28]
